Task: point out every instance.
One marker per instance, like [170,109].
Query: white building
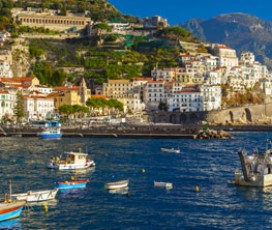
[154,94]
[5,70]
[189,99]
[8,100]
[226,55]
[212,97]
[37,107]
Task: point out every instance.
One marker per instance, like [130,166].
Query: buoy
[143,170]
[196,188]
[45,208]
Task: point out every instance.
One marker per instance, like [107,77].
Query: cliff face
[239,31]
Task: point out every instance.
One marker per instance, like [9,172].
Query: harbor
[198,178]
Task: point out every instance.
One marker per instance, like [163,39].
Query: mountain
[237,30]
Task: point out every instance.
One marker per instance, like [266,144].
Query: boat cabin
[74,157]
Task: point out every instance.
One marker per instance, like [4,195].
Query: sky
[180,11]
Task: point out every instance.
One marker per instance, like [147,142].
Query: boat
[52,130]
[170,150]
[166,185]
[71,184]
[256,168]
[36,196]
[116,185]
[50,133]
[11,209]
[71,160]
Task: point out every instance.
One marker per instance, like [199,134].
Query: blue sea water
[208,164]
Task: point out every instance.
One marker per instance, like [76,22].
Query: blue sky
[177,11]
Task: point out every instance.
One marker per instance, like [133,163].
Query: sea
[201,197]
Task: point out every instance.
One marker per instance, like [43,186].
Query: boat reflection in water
[72,193]
[11,224]
[121,191]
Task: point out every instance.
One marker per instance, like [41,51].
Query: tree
[163,106]
[19,107]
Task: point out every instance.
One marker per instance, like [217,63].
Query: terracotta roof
[98,96]
[63,88]
[118,81]
[142,78]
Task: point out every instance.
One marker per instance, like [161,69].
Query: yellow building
[71,95]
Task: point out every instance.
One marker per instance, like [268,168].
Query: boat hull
[116,185]
[166,185]
[50,136]
[11,210]
[170,150]
[256,181]
[36,196]
[53,165]
[72,184]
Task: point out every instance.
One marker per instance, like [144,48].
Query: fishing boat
[117,184]
[36,196]
[170,150]
[50,133]
[256,167]
[71,160]
[71,184]
[166,185]
[11,209]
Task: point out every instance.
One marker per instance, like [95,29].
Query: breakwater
[134,131]
[131,131]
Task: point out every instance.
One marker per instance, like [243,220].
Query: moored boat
[256,168]
[50,133]
[71,160]
[167,185]
[117,184]
[72,184]
[11,210]
[36,196]
[170,150]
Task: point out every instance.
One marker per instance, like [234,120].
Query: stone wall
[259,114]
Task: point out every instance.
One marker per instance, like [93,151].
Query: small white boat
[117,184]
[166,185]
[71,160]
[171,150]
[36,196]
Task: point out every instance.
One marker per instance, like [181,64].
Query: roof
[63,88]
[76,153]
[118,81]
[98,96]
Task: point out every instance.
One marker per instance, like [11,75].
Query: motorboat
[11,209]
[170,150]
[256,168]
[71,160]
[36,196]
[50,133]
[71,184]
[117,185]
[167,185]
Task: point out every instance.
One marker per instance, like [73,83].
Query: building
[155,21]
[49,19]
[71,95]
[37,106]
[5,70]
[8,100]
[127,92]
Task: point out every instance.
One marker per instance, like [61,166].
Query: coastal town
[201,81]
